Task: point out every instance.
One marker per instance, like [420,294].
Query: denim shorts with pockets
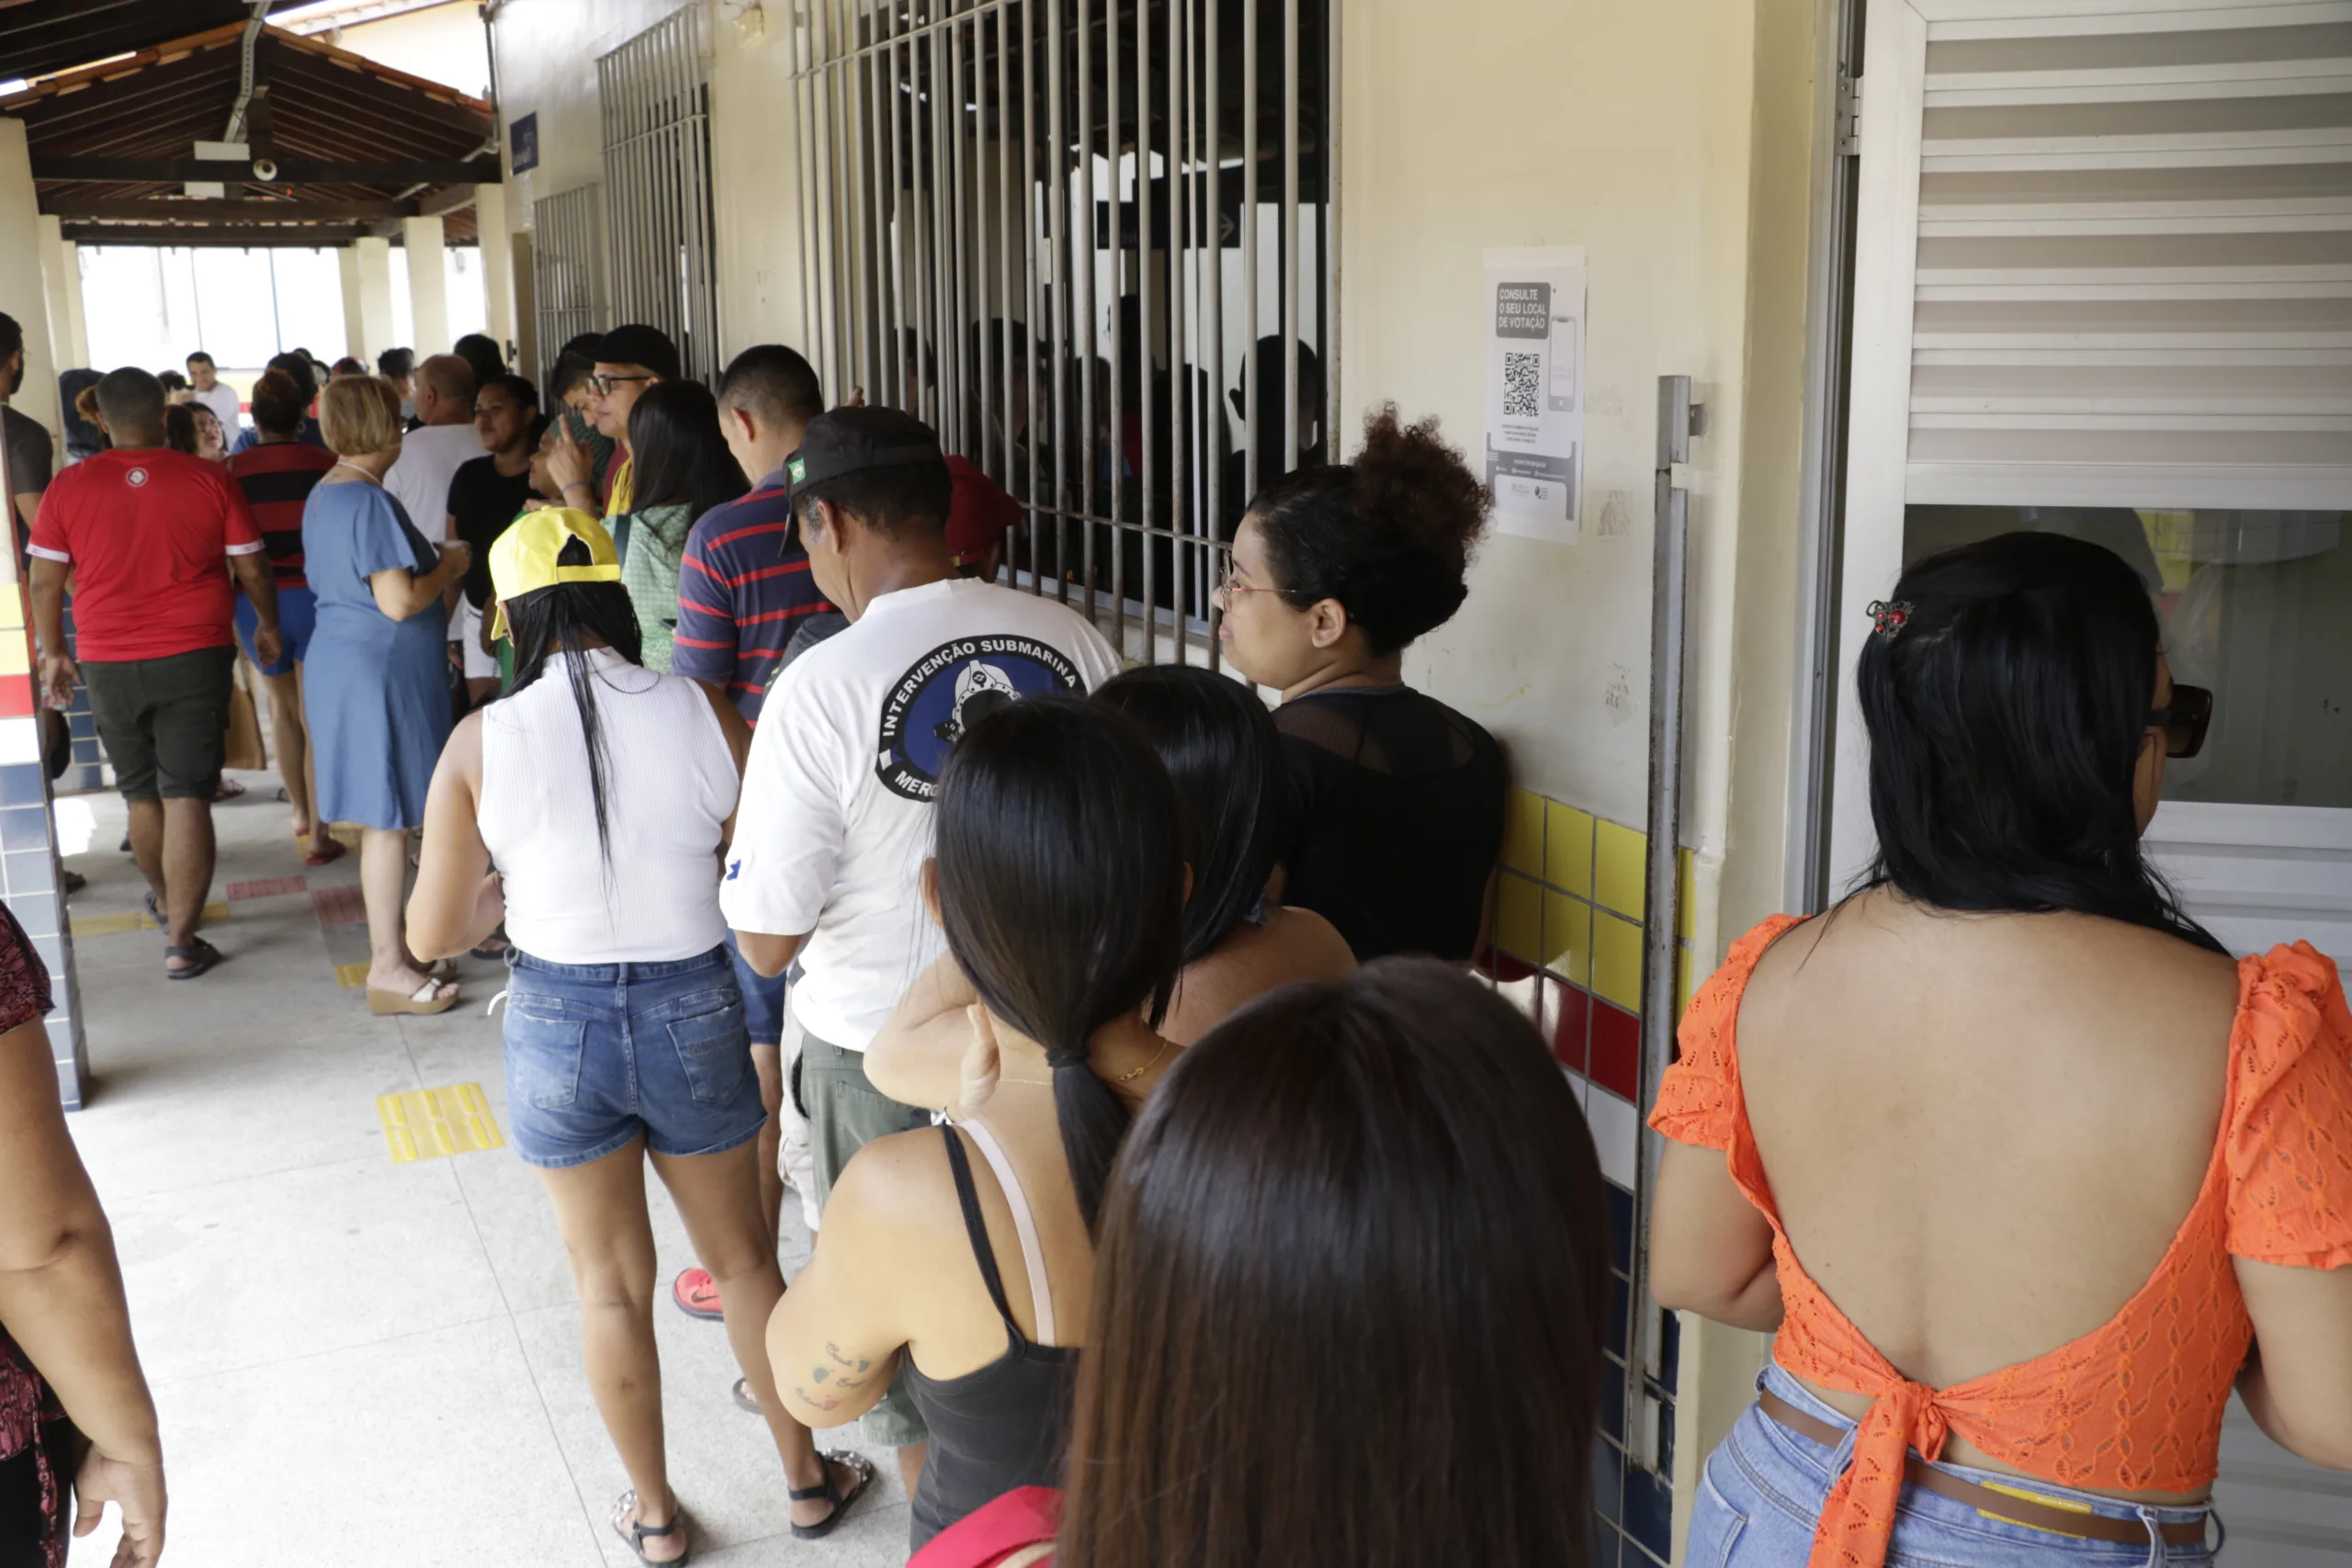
[1761,1495]
[599,1053]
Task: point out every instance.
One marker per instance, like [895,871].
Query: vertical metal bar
[942,247]
[1212,417]
[879,201]
[1328,139]
[1661,919]
[983,201]
[900,82]
[1179,285]
[1083,275]
[1146,372]
[1113,138]
[1253,416]
[959,400]
[1062,280]
[1290,235]
[1005,204]
[1032,309]
[804,167]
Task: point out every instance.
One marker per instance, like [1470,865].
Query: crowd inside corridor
[1184,1193]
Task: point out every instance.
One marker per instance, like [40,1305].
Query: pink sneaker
[697,1293]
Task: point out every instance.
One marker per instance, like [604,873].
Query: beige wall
[441,43]
[1672,140]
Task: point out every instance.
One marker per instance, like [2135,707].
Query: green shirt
[650,571]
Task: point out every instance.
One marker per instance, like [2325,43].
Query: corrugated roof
[318,104]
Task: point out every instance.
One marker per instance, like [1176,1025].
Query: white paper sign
[1534,455]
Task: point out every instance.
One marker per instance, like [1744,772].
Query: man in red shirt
[143,532]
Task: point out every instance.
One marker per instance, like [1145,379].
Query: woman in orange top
[2026,1172]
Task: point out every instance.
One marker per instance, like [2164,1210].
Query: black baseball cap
[638,344]
[850,441]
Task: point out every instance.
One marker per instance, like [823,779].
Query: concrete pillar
[428,285]
[368,289]
[355,325]
[76,351]
[497,263]
[58,287]
[24,286]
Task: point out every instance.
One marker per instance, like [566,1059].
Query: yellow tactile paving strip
[351,976]
[426,1123]
[137,919]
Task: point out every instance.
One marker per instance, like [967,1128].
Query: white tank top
[669,786]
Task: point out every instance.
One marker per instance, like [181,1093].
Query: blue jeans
[599,1053]
[1761,1494]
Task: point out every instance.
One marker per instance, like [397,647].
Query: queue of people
[1180,1196]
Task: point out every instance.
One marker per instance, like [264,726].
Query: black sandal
[862,1467]
[201,954]
[626,1526]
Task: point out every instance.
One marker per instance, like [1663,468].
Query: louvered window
[2134,267]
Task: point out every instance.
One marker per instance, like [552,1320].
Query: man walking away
[398,366]
[143,530]
[743,586]
[836,819]
[205,383]
[432,454]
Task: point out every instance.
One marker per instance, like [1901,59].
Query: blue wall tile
[20,784]
[1649,1511]
[1621,1226]
[30,871]
[24,828]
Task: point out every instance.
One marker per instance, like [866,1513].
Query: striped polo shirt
[743,586]
[277,477]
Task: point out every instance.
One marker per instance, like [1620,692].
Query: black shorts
[164,721]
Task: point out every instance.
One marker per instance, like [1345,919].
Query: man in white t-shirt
[836,816]
[207,388]
[430,455]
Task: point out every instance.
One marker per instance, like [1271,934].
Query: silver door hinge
[1849,115]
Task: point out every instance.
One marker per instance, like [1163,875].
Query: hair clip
[1890,618]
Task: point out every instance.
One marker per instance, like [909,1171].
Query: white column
[355,317]
[497,263]
[371,267]
[58,291]
[24,286]
[76,349]
[428,285]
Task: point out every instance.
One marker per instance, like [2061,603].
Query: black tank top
[997,1428]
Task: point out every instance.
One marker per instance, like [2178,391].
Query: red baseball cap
[979,514]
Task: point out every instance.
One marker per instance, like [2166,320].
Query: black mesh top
[1397,818]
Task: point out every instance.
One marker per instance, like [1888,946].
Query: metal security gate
[654,91]
[567,275]
[1090,243]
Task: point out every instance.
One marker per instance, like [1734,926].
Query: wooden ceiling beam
[251,236]
[291,171]
[230,209]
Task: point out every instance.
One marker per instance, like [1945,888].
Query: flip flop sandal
[842,1502]
[442,969]
[155,911]
[637,1535]
[697,1294]
[744,1398]
[227,789]
[201,954]
[424,1001]
[333,852]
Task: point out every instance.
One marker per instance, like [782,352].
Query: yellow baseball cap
[523,558]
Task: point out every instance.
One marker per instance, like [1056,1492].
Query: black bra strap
[976,1227]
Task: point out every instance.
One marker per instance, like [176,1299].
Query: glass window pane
[2256,605]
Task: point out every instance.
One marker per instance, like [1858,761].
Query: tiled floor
[360,1363]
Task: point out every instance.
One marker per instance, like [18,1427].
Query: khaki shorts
[845,1113]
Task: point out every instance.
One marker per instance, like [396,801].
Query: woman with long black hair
[961,1257]
[1225,757]
[2061,1161]
[683,469]
[604,796]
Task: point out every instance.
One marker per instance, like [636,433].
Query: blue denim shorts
[598,1053]
[1760,1496]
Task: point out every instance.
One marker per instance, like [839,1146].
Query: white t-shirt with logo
[836,815]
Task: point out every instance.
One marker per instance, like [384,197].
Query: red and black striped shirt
[277,478]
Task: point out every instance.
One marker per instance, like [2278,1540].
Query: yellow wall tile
[12,606]
[1681,981]
[1567,849]
[1567,937]
[16,655]
[1523,832]
[1686,920]
[1617,869]
[1617,961]
[1519,917]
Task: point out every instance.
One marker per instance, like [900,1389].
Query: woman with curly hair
[1396,800]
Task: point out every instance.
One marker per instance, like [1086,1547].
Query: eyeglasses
[2186,721]
[1228,588]
[605,384]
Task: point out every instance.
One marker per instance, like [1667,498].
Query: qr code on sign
[1522,378]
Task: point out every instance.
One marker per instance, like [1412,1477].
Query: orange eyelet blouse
[2135,1406]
